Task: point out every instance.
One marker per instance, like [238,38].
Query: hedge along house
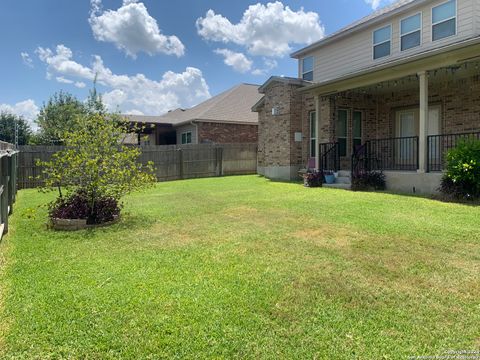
[225,118]
[393,92]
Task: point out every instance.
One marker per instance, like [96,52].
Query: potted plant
[329,177]
[312,179]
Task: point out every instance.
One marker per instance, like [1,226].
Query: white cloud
[62,80]
[266,30]
[268,65]
[132,29]
[27,60]
[127,92]
[26,109]
[238,61]
[61,62]
[375,4]
[78,84]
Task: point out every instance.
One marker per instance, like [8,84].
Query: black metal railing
[359,160]
[438,146]
[329,158]
[399,153]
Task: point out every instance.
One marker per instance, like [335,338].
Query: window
[357,129]
[307,68]
[313,134]
[382,42]
[410,32]
[444,20]
[341,130]
[187,137]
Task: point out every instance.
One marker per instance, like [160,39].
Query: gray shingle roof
[233,105]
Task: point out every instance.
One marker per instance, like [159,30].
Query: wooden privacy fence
[8,183]
[172,162]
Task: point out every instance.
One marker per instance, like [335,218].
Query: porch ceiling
[436,77]
[403,70]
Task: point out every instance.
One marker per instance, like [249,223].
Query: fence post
[180,162]
[4,196]
[10,183]
[219,157]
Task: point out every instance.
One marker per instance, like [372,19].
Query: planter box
[330,179]
[78,224]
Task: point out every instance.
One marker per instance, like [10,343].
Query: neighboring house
[225,118]
[389,92]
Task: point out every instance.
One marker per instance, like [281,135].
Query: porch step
[343,180]
[338,186]
[344,173]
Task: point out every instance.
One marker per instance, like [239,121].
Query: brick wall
[458,98]
[276,142]
[223,133]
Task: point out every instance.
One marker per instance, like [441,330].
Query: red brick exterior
[458,97]
[222,133]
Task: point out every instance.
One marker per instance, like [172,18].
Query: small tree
[95,165]
[7,129]
[57,116]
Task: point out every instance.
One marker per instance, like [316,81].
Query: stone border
[77,224]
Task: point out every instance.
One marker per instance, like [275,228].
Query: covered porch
[402,118]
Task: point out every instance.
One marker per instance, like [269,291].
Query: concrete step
[344,173]
[338,186]
[343,180]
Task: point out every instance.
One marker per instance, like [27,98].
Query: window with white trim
[444,20]
[307,68]
[410,32]
[382,40]
[313,134]
[187,137]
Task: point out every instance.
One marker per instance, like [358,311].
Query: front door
[404,144]
[433,128]
[407,127]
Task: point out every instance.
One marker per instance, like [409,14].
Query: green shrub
[462,177]
[368,180]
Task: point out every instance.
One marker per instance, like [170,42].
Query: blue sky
[153,55]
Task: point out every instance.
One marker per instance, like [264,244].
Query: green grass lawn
[241,267]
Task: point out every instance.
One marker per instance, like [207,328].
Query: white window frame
[313,117]
[310,71]
[186,137]
[411,32]
[445,20]
[374,45]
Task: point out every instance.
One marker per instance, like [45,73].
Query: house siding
[186,128]
[355,52]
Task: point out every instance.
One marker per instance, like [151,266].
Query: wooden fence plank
[172,162]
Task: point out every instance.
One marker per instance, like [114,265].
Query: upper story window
[382,39]
[444,20]
[411,32]
[307,68]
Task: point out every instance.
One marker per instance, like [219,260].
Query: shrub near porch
[244,267]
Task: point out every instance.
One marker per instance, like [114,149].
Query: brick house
[392,92]
[225,118]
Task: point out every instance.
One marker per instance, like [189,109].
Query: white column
[317,131]
[423,130]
